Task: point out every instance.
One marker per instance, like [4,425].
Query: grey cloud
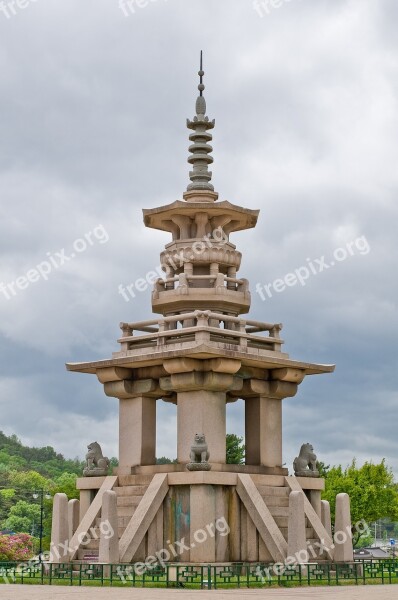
[92,129]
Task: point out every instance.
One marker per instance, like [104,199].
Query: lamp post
[41,494]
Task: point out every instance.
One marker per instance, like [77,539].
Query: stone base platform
[221,516]
[216,467]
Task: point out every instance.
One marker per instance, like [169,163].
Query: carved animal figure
[96,462]
[305,460]
[199,451]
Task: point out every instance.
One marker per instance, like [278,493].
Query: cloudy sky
[92,129]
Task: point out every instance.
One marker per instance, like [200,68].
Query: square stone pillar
[202,524]
[201,411]
[137,432]
[263,431]
[86,498]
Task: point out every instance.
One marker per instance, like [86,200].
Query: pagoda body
[200,353]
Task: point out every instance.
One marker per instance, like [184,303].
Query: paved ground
[38,592]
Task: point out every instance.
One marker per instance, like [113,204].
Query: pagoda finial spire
[200,149]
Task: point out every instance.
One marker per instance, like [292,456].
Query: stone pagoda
[199,353]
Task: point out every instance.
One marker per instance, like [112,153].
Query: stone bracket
[128,388]
[187,365]
[113,374]
[194,380]
[288,374]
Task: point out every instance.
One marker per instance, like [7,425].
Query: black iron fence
[234,575]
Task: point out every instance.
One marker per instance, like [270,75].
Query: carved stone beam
[288,374]
[113,374]
[129,389]
[182,365]
[185,382]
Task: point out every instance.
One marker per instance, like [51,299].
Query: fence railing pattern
[236,575]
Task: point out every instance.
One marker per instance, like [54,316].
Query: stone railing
[201,327]
[182,283]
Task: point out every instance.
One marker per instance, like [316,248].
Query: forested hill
[17,457]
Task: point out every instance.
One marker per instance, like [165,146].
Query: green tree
[323,469]
[24,517]
[373,494]
[235,449]
[66,484]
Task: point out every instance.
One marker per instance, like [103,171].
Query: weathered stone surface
[297,543]
[143,517]
[137,432]
[73,516]
[202,411]
[262,518]
[342,530]
[325,516]
[60,530]
[263,421]
[109,539]
[203,515]
[314,521]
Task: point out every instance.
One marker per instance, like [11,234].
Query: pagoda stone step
[275,500]
[309,532]
[127,480]
[279,511]
[125,511]
[128,501]
[281,521]
[131,490]
[123,521]
[268,490]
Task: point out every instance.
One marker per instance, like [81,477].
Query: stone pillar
[325,516]
[297,541]
[60,530]
[203,515]
[263,437]
[315,499]
[201,411]
[342,530]
[109,539]
[137,432]
[73,516]
[86,497]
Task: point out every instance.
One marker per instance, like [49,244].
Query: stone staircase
[129,494]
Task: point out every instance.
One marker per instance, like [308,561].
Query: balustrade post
[202,320]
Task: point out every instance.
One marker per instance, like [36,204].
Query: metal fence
[236,575]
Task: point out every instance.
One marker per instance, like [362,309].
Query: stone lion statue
[96,463]
[304,464]
[199,454]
